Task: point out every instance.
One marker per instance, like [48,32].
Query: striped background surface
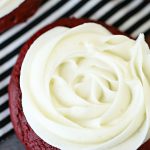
[130,16]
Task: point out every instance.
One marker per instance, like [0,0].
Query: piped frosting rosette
[86,89]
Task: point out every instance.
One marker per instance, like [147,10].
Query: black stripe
[5,74]
[4,106]
[129,14]
[6,134]
[73,9]
[32,24]
[95,8]
[114,10]
[10,55]
[147,32]
[138,24]
[67,14]
[5,121]
[3,91]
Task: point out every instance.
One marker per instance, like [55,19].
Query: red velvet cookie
[20,14]
[21,127]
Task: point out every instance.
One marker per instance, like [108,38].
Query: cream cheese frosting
[86,89]
[7,6]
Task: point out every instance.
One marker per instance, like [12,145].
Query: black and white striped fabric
[130,16]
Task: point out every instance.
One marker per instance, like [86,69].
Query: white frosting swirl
[86,89]
[7,6]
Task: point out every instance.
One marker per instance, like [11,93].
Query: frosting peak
[86,89]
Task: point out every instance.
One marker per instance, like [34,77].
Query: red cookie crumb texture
[21,127]
[20,14]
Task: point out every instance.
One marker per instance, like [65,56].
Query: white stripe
[104,9]
[6,129]
[8,64]
[85,8]
[135,18]
[4,82]
[123,11]
[54,16]
[4,114]
[3,99]
[17,28]
[141,29]
[57,14]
